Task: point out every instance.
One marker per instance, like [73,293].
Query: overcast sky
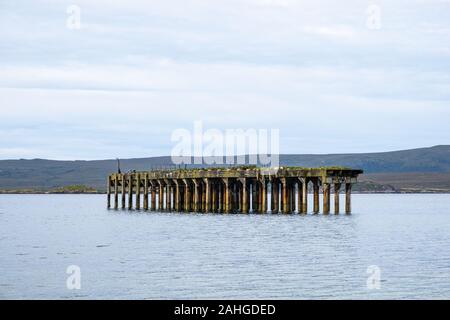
[319,71]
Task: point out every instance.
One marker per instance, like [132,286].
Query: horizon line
[246,155]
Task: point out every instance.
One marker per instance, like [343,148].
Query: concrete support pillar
[292,197]
[245,196]
[221,198]
[316,195]
[203,208]
[240,194]
[299,196]
[348,192]
[207,183]
[337,187]
[227,195]
[264,196]
[281,197]
[182,195]
[270,201]
[146,192]
[305,196]
[197,196]
[130,192]
[177,197]
[116,192]
[326,198]
[217,193]
[138,192]
[168,200]
[161,196]
[187,195]
[153,197]
[285,195]
[232,196]
[276,196]
[124,191]
[260,191]
[255,196]
[213,197]
[108,192]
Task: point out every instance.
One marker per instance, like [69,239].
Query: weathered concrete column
[245,193]
[326,198]
[138,192]
[276,196]
[108,192]
[130,192]
[177,198]
[217,192]
[207,183]
[240,195]
[305,196]
[264,196]
[221,198]
[259,196]
[197,196]
[213,196]
[234,196]
[255,196]
[182,195]
[269,200]
[227,196]
[187,196]
[348,193]
[161,196]
[116,192]
[337,187]
[299,196]
[203,186]
[146,192]
[281,188]
[285,195]
[168,200]
[239,199]
[124,191]
[153,196]
[316,195]
[292,197]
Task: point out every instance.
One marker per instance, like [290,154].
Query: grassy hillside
[418,169]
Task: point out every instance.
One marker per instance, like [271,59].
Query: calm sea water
[137,255]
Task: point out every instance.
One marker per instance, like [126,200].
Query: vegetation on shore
[72,189]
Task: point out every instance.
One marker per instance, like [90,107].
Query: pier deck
[232,190]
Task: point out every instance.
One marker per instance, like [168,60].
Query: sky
[331,76]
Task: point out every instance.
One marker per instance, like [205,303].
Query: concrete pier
[232,190]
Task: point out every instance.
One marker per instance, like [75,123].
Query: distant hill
[384,171]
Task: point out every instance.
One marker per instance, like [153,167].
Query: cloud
[136,71]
